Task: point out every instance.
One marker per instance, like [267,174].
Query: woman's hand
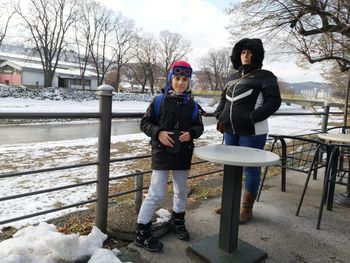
[220,127]
[165,139]
[185,136]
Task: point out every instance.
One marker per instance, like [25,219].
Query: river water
[58,131]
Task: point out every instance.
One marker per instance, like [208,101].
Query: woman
[248,99]
[172,128]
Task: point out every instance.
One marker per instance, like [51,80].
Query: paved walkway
[275,229]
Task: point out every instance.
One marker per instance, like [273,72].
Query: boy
[172,129]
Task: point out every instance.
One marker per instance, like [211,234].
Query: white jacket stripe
[241,96]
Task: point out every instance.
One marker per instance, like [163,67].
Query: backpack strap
[158,102]
[195,112]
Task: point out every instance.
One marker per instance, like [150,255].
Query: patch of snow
[163,216]
[44,244]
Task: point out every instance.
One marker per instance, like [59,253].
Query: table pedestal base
[342,199]
[208,249]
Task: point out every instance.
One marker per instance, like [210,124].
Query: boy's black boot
[177,225]
[145,239]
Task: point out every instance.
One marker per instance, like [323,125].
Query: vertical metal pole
[346,104]
[323,130]
[230,205]
[283,164]
[104,145]
[138,193]
[325,118]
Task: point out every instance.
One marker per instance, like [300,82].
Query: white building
[22,70]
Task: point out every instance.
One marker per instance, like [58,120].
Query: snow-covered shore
[61,94]
[30,156]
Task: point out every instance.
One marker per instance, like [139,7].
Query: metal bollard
[104,146]
[325,118]
[138,193]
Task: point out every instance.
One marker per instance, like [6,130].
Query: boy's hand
[185,136]
[165,139]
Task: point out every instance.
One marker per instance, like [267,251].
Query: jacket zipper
[233,92]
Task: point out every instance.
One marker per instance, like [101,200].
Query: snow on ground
[22,157]
[30,105]
[30,156]
[43,244]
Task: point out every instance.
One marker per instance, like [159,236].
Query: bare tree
[134,74]
[216,67]
[6,15]
[338,80]
[48,22]
[81,37]
[153,69]
[172,47]
[145,69]
[123,45]
[100,25]
[146,59]
[318,30]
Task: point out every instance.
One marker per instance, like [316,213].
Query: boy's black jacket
[173,111]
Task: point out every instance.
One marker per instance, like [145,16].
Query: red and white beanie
[181,68]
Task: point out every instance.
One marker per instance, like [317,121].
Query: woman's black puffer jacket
[246,103]
[173,110]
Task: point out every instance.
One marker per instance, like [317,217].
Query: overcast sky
[203,23]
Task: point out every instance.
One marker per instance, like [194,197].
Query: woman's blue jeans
[252,174]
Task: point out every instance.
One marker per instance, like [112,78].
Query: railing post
[283,164]
[104,145]
[325,118]
[138,193]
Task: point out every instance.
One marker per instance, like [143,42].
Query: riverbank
[26,157]
[62,94]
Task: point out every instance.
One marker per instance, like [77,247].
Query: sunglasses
[182,71]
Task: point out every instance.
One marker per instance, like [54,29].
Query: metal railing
[104,160]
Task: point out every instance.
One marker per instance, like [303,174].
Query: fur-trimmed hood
[255,45]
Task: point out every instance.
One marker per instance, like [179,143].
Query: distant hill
[309,88]
[309,85]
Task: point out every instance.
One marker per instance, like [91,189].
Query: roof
[32,61]
[65,72]
[21,64]
[11,64]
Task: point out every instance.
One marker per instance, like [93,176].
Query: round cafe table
[343,198]
[226,247]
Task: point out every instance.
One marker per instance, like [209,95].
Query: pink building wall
[12,79]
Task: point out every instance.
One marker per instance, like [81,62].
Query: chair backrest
[304,154]
[300,153]
[339,129]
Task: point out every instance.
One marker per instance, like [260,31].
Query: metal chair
[337,173]
[298,153]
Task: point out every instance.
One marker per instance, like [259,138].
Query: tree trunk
[346,102]
[117,80]
[48,78]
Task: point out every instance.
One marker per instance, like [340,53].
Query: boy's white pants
[157,191]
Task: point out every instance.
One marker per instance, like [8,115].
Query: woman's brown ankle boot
[218,210]
[246,212]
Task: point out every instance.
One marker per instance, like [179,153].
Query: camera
[177,144]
